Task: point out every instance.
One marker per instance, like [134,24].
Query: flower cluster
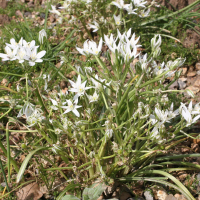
[137,7]
[124,45]
[22,51]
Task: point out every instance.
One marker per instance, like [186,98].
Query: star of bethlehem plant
[115,116]
[118,118]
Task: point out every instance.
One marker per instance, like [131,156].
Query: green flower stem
[102,147]
[10,74]
[91,172]
[125,94]
[6,113]
[102,65]
[8,151]
[104,100]
[11,160]
[4,176]
[38,141]
[74,69]
[26,87]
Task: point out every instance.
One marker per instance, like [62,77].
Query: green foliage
[122,123]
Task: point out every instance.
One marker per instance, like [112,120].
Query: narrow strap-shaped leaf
[25,162]
[69,187]
[181,190]
[176,181]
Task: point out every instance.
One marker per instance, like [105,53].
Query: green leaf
[94,192]
[69,187]
[70,197]
[25,162]
[7,89]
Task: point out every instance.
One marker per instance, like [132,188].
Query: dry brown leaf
[31,191]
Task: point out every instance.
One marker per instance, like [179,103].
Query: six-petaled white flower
[78,87]
[71,106]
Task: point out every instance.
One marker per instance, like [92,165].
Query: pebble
[161,194]
[197,66]
[190,74]
[198,176]
[170,197]
[195,147]
[184,70]
[148,195]
[174,85]
[179,197]
[42,15]
[182,83]
[197,83]
[28,14]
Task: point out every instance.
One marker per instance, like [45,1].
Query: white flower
[109,133]
[98,85]
[91,154]
[158,69]
[10,54]
[155,44]
[120,4]
[124,35]
[94,26]
[144,62]
[13,44]
[78,87]
[42,34]
[93,98]
[88,70]
[196,109]
[139,3]
[54,10]
[71,107]
[188,117]
[33,56]
[85,50]
[109,41]
[129,9]
[133,41]
[93,49]
[21,54]
[117,19]
[162,115]
[34,118]
[55,104]
[26,110]
[29,45]
[144,13]
[58,131]
[66,4]
[171,113]
[128,52]
[60,20]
